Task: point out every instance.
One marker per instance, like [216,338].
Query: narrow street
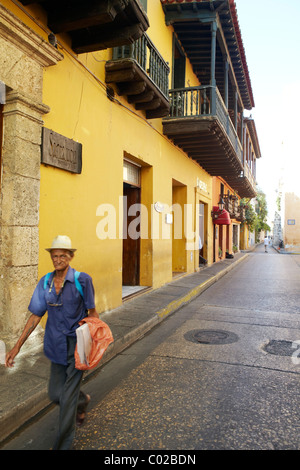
[220,374]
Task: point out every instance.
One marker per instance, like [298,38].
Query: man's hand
[10,356]
[93,313]
[31,324]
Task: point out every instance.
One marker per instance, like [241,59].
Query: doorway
[131,229]
[235,236]
[131,240]
[202,234]
[179,253]
[220,246]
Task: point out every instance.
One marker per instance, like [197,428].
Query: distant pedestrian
[266,243]
[59,295]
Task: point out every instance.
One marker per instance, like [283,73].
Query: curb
[177,304]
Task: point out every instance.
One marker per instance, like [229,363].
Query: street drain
[279,347]
[211,336]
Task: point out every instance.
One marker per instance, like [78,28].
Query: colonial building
[207,121]
[286,224]
[122,124]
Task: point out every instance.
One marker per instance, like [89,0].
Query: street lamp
[221,204]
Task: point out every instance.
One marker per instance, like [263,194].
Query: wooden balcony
[95,24]
[231,205]
[241,215]
[245,183]
[141,74]
[193,22]
[200,124]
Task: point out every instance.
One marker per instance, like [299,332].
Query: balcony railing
[190,102]
[231,204]
[236,210]
[241,214]
[149,59]
[248,174]
[202,102]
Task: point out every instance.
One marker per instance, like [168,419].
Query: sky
[270,32]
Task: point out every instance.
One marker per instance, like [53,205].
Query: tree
[250,214]
[256,219]
[261,211]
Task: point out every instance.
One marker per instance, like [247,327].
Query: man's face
[60,259]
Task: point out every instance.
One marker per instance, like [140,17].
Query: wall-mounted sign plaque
[61,152]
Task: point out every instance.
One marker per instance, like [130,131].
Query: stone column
[23,56]
[22,118]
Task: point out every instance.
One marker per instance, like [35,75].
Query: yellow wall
[74,89]
[244,237]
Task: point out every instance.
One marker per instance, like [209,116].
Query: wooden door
[131,246]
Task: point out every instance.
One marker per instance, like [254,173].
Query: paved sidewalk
[23,389]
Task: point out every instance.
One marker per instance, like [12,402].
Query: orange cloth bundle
[101,338]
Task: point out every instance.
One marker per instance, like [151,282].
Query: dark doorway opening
[131,238]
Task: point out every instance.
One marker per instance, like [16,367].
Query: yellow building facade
[290,203]
[135,208]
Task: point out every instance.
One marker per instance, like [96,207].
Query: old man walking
[67,301]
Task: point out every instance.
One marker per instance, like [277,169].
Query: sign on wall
[61,152]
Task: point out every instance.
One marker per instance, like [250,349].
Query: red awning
[221,217]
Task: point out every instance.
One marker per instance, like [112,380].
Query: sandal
[80,419]
[81,415]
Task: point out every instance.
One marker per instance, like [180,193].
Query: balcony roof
[95,24]
[132,81]
[252,130]
[205,141]
[242,185]
[191,23]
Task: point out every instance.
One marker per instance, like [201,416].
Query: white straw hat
[61,242]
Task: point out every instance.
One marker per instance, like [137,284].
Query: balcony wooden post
[235,108]
[242,136]
[213,52]
[226,71]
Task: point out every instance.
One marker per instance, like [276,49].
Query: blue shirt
[65,310]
